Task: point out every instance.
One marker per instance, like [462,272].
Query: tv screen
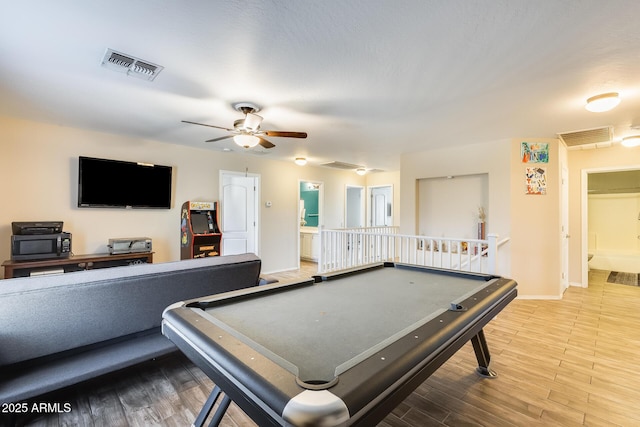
[120,184]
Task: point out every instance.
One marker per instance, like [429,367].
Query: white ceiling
[367,79]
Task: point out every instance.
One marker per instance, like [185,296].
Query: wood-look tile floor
[572,362]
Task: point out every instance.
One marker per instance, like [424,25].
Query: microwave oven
[40,246]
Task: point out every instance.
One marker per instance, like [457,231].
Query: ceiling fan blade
[265,143]
[219,139]
[211,126]
[285,134]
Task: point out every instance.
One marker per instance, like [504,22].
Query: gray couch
[56,331]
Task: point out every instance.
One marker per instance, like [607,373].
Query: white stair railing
[348,248]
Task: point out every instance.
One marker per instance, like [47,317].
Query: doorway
[610,220]
[239,195]
[310,219]
[354,207]
[380,206]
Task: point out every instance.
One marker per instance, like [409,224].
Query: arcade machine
[200,235]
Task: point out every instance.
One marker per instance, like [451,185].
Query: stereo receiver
[127,245]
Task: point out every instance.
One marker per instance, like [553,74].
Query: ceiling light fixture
[361,171]
[252,122]
[300,161]
[246,141]
[603,102]
[631,141]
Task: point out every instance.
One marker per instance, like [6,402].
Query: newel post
[321,255]
[492,253]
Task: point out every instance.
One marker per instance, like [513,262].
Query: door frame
[564,225]
[256,195]
[320,211]
[584,214]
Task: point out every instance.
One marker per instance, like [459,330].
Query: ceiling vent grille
[588,138]
[341,165]
[130,65]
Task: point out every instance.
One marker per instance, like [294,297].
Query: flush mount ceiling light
[246,141]
[631,141]
[300,161]
[603,102]
[361,171]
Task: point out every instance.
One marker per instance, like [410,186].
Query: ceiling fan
[246,132]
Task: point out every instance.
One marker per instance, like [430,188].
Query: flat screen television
[104,183]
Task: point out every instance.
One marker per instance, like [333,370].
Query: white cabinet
[309,246]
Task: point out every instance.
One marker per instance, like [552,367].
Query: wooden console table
[73,263]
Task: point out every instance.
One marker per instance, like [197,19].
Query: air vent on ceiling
[588,138]
[341,165]
[130,65]
[348,166]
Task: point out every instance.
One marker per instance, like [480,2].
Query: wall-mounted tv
[104,183]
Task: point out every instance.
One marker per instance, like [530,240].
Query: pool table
[338,349]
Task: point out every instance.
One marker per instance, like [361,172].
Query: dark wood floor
[572,362]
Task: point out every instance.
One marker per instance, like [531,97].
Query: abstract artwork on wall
[536,180]
[531,152]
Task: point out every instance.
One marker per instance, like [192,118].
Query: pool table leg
[208,406]
[482,354]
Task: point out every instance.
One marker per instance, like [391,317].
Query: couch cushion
[32,378]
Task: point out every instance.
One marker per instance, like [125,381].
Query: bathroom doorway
[310,219]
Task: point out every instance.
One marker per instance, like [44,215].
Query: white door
[239,202]
[380,209]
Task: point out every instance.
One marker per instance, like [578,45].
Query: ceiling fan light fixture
[631,141]
[603,102]
[300,161]
[361,171]
[252,122]
[246,141]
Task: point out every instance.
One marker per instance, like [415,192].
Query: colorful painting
[534,152]
[536,180]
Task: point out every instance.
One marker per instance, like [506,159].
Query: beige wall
[532,223]
[38,169]
[616,157]
[535,232]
